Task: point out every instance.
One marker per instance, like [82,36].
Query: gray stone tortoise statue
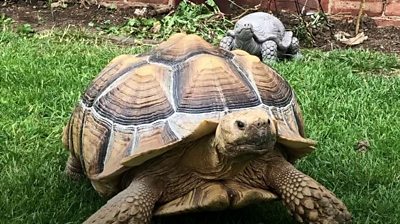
[263,35]
[191,127]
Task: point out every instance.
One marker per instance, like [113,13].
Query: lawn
[346,96]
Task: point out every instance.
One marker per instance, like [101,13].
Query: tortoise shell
[264,26]
[139,105]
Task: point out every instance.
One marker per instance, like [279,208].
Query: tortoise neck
[201,157]
[205,159]
[249,45]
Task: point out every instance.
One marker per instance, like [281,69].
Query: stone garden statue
[264,35]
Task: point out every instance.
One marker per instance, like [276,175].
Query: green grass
[346,96]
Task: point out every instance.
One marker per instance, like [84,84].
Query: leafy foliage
[188,17]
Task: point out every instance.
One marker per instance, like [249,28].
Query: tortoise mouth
[254,146]
[244,30]
[255,140]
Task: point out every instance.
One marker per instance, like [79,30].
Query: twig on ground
[235,4]
[304,7]
[245,11]
[360,13]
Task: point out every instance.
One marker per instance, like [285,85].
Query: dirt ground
[40,16]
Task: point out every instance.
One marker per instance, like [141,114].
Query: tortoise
[263,35]
[192,127]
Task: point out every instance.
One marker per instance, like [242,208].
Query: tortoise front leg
[269,51]
[307,199]
[227,43]
[132,205]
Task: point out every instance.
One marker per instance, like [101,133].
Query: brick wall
[384,12]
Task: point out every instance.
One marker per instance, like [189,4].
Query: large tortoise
[192,127]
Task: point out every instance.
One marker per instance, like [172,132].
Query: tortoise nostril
[261,124]
[269,121]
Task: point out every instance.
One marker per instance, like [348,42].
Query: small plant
[5,22]
[188,17]
[26,30]
[309,24]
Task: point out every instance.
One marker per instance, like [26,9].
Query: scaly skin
[132,205]
[156,181]
[269,51]
[226,43]
[307,200]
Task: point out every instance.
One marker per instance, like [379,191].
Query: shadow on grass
[274,212]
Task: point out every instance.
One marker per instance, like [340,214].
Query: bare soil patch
[41,17]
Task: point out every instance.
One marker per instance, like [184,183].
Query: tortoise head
[248,132]
[244,31]
[253,132]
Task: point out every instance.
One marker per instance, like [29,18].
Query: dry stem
[360,13]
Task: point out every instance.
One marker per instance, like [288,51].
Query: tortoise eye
[240,124]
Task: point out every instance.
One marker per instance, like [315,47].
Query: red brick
[313,5]
[269,5]
[283,5]
[371,7]
[290,5]
[383,21]
[325,5]
[223,5]
[392,8]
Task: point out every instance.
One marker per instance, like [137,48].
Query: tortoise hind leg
[132,205]
[73,168]
[294,49]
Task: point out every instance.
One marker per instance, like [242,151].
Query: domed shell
[265,26]
[140,106]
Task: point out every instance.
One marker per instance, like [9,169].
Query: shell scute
[122,141]
[180,47]
[140,96]
[273,89]
[207,83]
[95,135]
[109,74]
[153,137]
[74,141]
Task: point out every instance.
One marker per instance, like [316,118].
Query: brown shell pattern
[138,104]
